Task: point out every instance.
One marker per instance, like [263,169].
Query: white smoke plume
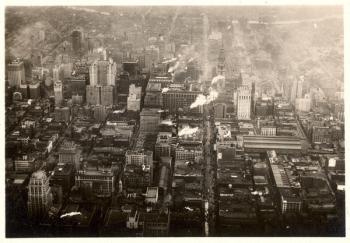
[200,100]
[189,209]
[204,100]
[190,60]
[167,122]
[217,78]
[213,94]
[227,134]
[172,69]
[164,90]
[187,131]
[70,214]
[118,111]
[99,50]
[160,111]
[170,60]
[186,55]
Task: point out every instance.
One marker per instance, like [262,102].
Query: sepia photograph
[174,121]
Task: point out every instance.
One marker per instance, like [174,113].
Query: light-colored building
[151,195]
[134,98]
[303,104]
[69,153]
[111,73]
[194,155]
[133,157]
[56,73]
[39,195]
[297,89]
[93,74]
[268,130]
[244,99]
[58,90]
[16,73]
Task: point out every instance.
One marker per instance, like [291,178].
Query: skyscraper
[93,72]
[300,87]
[103,67]
[243,102]
[76,41]
[56,73]
[111,73]
[93,95]
[39,195]
[221,63]
[106,95]
[16,73]
[134,98]
[58,90]
[297,89]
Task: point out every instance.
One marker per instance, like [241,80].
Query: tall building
[39,195]
[69,153]
[153,97]
[175,99]
[151,57]
[56,73]
[58,90]
[93,74]
[134,98]
[297,89]
[149,120]
[244,102]
[76,85]
[111,73]
[103,67]
[66,70]
[76,41]
[303,104]
[28,67]
[221,63]
[93,95]
[16,73]
[34,90]
[300,87]
[106,95]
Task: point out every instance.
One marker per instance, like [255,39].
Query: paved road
[209,172]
